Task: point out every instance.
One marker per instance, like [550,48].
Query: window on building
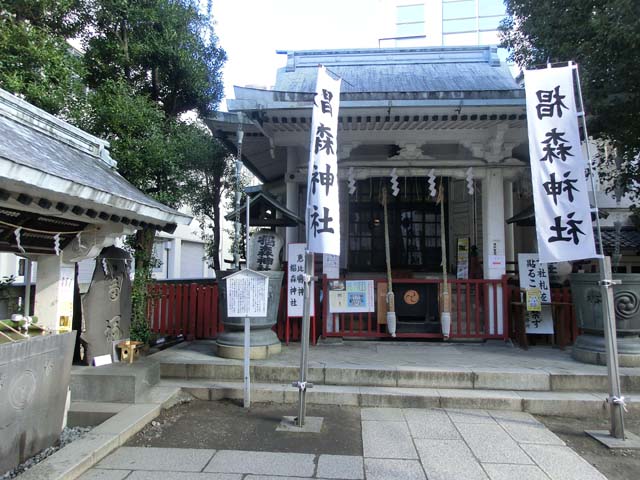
[414,227]
[488,8]
[410,20]
[471,22]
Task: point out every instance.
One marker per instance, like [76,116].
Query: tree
[209,171]
[36,62]
[166,49]
[148,62]
[602,37]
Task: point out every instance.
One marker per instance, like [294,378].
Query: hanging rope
[47,232]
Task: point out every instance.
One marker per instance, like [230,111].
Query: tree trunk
[215,215]
[144,249]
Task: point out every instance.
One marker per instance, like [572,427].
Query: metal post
[247,330]
[27,287]
[304,339]
[615,399]
[236,229]
[247,353]
[246,251]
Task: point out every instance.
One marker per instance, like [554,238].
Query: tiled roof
[400,70]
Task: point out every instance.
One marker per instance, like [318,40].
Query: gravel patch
[67,436]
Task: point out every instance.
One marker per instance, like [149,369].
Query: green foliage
[209,168]
[142,246]
[146,62]
[165,49]
[40,66]
[601,36]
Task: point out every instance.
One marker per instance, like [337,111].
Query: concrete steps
[569,404]
[506,379]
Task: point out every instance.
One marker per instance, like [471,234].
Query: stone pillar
[493,238]
[292,195]
[54,293]
[508,229]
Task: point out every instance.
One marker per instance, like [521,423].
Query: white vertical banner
[295,281]
[560,195]
[323,209]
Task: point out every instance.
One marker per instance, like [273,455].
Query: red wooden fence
[190,309]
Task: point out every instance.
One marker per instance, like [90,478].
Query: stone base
[311,425]
[631,442]
[258,352]
[591,349]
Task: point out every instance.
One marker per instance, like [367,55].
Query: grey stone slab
[569,404]
[129,421]
[387,440]
[631,440]
[497,471]
[470,416]
[429,378]
[344,467]
[399,397]
[311,425]
[150,475]
[480,399]
[490,443]
[430,423]
[501,416]
[262,463]
[382,414]
[361,376]
[523,432]
[118,382]
[448,460]
[511,380]
[386,469]
[272,477]
[103,474]
[583,382]
[562,463]
[325,395]
[173,370]
[158,459]
[74,459]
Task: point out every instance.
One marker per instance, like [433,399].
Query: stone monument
[106,307]
[265,250]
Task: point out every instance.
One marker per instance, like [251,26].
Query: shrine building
[452,115]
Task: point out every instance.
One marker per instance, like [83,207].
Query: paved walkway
[406,444]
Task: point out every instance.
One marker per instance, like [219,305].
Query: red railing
[479,310]
[190,309]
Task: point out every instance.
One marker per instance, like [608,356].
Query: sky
[251,31]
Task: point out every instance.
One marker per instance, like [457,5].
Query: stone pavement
[420,444]
[492,355]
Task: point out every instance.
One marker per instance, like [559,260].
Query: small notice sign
[295,281]
[247,293]
[331,265]
[534,300]
[351,296]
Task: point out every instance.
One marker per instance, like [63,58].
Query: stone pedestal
[264,341]
[587,300]
[34,381]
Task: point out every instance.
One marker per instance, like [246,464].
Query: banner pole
[615,399]
[304,339]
